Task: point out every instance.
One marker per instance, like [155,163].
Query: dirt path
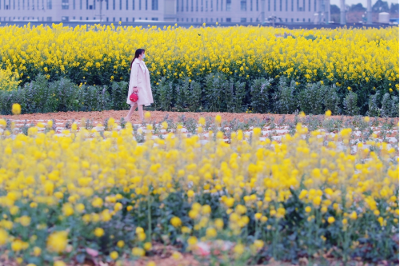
[158,116]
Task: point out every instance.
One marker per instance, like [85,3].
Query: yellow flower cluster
[342,56]
[57,193]
[8,80]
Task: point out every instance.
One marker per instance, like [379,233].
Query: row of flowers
[63,198]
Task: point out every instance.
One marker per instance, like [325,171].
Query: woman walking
[139,82]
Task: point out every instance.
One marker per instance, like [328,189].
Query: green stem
[149,216]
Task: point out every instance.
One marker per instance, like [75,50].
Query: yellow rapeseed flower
[57,241]
[16,109]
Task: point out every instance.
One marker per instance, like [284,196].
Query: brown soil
[157,116]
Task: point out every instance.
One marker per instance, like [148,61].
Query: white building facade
[251,10]
[188,11]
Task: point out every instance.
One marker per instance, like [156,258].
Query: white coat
[140,77]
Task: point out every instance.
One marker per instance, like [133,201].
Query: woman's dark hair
[137,53]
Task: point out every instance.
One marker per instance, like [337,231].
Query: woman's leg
[130,113]
[140,109]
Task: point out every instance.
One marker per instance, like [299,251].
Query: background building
[200,11]
[251,10]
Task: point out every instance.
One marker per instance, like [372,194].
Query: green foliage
[390,106]
[118,93]
[312,99]
[195,96]
[260,92]
[165,95]
[350,104]
[373,104]
[234,96]
[284,100]
[216,93]
[331,99]
[215,86]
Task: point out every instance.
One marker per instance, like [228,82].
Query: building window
[304,20]
[251,5]
[228,20]
[292,20]
[242,20]
[113,4]
[87,18]
[315,5]
[73,4]
[269,5]
[191,7]
[197,5]
[65,4]
[49,6]
[243,5]
[64,18]
[206,19]
[127,20]
[140,4]
[201,5]
[206,7]
[292,5]
[286,6]
[81,18]
[48,18]
[274,5]
[285,19]
[107,19]
[309,5]
[251,19]
[297,20]
[113,19]
[133,4]
[228,5]
[120,19]
[187,5]
[127,4]
[280,5]
[145,2]
[202,20]
[154,19]
[120,4]
[216,7]
[192,19]
[309,20]
[211,20]
[154,4]
[197,19]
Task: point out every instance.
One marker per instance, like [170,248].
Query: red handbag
[134,97]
